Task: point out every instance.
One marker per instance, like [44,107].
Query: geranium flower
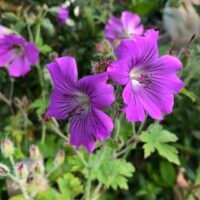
[17,54]
[62,15]
[150,81]
[125,27]
[81,102]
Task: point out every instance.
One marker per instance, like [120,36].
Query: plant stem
[55,128]
[82,159]
[135,137]
[88,185]
[40,74]
[96,194]
[52,170]
[142,126]
[43,133]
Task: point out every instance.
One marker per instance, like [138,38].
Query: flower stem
[56,129]
[88,185]
[82,159]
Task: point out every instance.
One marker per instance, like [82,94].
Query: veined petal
[100,93]
[61,106]
[133,109]
[170,84]
[64,74]
[165,65]
[150,104]
[68,67]
[153,100]
[85,129]
[141,50]
[156,101]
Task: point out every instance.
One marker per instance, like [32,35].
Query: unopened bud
[21,170]
[60,158]
[34,152]
[7,148]
[4,170]
[100,66]
[53,56]
[39,167]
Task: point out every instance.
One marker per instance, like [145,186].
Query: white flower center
[134,75]
[83,104]
[138,77]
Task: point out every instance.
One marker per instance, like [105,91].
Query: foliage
[155,138]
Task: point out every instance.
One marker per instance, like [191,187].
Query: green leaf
[69,186]
[39,105]
[45,49]
[50,141]
[113,172]
[88,12]
[168,173]
[49,194]
[18,197]
[156,138]
[197,179]
[193,97]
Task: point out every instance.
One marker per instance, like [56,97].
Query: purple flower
[4,31]
[17,54]
[150,81]
[81,102]
[126,27]
[62,14]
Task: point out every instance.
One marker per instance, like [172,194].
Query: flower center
[83,106]
[18,49]
[138,77]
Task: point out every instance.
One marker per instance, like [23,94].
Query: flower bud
[21,170]
[34,152]
[60,157]
[4,170]
[100,66]
[39,167]
[7,148]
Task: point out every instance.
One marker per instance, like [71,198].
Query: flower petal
[20,66]
[95,86]
[85,129]
[118,71]
[133,109]
[165,65]
[6,56]
[32,53]
[131,23]
[64,74]
[141,50]
[113,29]
[61,105]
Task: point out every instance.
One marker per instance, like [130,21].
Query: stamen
[138,77]
[83,105]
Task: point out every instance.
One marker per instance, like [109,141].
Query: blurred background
[82,37]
